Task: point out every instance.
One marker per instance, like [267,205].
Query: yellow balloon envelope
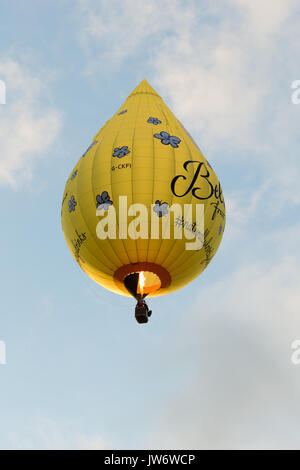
[143,200]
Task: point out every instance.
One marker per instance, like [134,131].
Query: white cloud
[121,29]
[27,127]
[243,390]
[266,17]
[46,434]
[226,83]
[222,68]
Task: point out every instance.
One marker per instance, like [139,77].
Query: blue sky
[213,367]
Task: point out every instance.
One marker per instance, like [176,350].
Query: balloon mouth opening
[141,279]
[142,283]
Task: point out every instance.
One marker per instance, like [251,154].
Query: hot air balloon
[143,211]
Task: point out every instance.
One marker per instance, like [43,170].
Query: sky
[212,369]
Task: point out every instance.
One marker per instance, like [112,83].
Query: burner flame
[141,282]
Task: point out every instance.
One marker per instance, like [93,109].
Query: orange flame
[141,282]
